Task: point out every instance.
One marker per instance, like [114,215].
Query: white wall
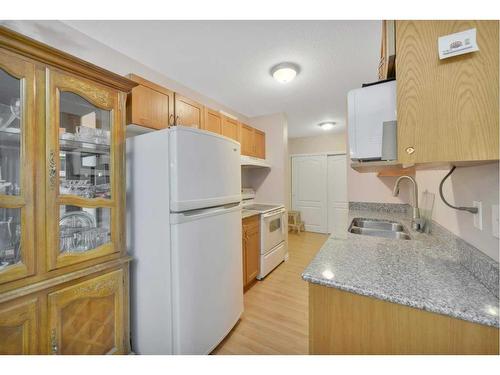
[318,144]
[65,38]
[271,184]
[476,183]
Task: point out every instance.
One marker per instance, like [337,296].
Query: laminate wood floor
[275,320]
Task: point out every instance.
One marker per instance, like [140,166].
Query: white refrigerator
[184,232]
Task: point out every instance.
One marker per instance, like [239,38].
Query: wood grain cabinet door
[213,121]
[251,249]
[252,254]
[230,128]
[188,112]
[18,137]
[84,180]
[88,317]
[244,249]
[260,144]
[247,140]
[447,109]
[150,108]
[19,327]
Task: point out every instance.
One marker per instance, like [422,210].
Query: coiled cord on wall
[472,210]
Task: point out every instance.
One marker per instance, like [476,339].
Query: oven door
[273,230]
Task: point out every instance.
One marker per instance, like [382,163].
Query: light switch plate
[457,44]
[495,222]
[478,218]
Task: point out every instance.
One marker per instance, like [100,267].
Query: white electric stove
[273,229]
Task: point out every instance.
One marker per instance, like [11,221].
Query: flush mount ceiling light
[284,72]
[327,125]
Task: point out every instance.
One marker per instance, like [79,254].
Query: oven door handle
[269,214]
[274,213]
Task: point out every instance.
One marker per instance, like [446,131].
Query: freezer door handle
[182,217]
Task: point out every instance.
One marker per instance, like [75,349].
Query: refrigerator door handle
[182,217]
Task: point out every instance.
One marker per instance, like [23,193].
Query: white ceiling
[229,61]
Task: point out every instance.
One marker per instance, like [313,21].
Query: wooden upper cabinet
[448,110]
[84,141]
[19,137]
[188,112]
[88,317]
[230,128]
[247,140]
[150,105]
[213,121]
[19,327]
[260,144]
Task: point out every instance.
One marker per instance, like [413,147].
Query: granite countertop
[247,213]
[434,272]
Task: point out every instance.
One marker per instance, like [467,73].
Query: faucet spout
[417,223]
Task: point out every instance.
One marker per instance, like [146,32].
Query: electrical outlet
[478,218]
[495,222]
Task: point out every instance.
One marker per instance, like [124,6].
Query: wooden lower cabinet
[19,327]
[87,317]
[251,250]
[347,323]
[83,316]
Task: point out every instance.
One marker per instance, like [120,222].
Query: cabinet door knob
[176,120]
[410,150]
[171,120]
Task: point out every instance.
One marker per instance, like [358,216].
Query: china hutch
[63,260]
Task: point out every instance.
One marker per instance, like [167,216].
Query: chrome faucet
[416,222]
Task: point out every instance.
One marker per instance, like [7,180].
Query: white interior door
[309,191]
[337,193]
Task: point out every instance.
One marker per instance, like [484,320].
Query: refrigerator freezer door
[204,169]
[207,285]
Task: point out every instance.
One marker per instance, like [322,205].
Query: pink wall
[466,184]
[367,187]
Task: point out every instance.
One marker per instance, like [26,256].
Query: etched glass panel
[10,134]
[84,143]
[82,229]
[10,237]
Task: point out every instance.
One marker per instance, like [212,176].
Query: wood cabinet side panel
[346,323]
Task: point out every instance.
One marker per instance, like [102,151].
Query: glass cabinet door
[85,146]
[16,167]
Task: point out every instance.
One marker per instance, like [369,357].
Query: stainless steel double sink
[379,228]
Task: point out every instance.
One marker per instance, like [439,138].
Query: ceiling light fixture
[284,72]
[327,125]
